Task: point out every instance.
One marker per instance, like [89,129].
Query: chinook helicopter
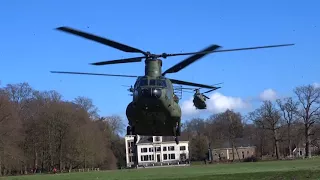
[154,110]
[199,99]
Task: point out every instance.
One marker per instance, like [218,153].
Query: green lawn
[296,169]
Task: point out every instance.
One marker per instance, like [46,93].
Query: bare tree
[88,105]
[10,153]
[309,99]
[289,109]
[268,117]
[230,124]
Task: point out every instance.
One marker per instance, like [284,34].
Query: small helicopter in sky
[154,109]
[199,99]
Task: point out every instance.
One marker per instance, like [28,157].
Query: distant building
[242,150]
[156,151]
[300,151]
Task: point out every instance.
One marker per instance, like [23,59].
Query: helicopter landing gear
[177,132]
[129,130]
[135,139]
[176,139]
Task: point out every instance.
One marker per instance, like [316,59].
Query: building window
[158,149]
[172,156]
[151,157]
[145,158]
[247,152]
[164,148]
[182,148]
[150,149]
[130,143]
[157,138]
[165,156]
[143,150]
[171,148]
[130,159]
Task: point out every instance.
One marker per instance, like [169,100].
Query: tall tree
[268,117]
[289,109]
[230,124]
[87,104]
[309,100]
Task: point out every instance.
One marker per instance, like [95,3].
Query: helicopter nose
[151,92]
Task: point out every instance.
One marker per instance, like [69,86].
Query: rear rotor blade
[97,74]
[119,61]
[226,50]
[190,60]
[257,47]
[108,42]
[205,96]
[201,87]
[175,81]
[208,91]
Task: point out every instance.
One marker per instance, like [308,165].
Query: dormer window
[157,138]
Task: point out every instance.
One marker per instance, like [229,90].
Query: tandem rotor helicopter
[154,109]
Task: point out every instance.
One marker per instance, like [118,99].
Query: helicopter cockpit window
[152,82]
[143,82]
[161,83]
[157,82]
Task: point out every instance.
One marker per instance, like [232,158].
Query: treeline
[40,131]
[275,128]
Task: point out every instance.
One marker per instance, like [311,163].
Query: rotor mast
[153,67]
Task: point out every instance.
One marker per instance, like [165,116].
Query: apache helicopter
[154,110]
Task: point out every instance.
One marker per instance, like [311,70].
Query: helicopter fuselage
[199,101]
[154,110]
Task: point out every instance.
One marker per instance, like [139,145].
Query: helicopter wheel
[178,129]
[135,139]
[176,140]
[176,133]
[129,130]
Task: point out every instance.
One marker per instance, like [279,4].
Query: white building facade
[153,151]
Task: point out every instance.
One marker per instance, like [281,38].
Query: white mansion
[156,151]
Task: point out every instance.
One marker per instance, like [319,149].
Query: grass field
[273,170]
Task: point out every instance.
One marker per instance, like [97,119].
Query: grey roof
[239,142]
[148,139]
[145,139]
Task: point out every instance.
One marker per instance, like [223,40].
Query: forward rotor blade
[190,60]
[120,61]
[226,50]
[97,74]
[174,81]
[108,42]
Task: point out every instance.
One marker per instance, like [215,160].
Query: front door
[158,157]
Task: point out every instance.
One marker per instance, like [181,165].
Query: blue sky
[30,47]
